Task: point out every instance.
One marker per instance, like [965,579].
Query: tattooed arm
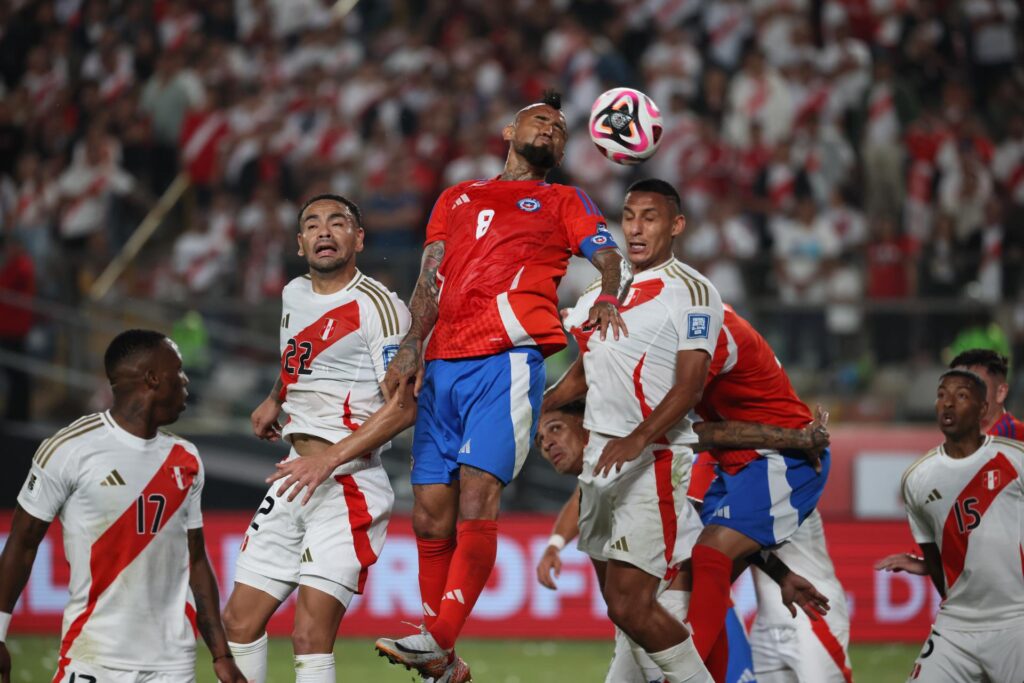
[204,590]
[726,435]
[616,276]
[423,306]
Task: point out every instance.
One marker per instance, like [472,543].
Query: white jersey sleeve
[699,314]
[920,529]
[384,329]
[47,488]
[193,505]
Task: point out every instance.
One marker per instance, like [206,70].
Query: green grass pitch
[492,661]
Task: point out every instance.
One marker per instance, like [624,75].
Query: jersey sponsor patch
[528,204]
[388,353]
[697,325]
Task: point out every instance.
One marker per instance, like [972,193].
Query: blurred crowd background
[852,170]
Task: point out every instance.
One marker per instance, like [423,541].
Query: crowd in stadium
[826,150]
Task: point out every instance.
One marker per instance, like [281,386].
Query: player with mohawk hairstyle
[495,251]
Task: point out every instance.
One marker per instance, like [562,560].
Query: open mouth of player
[637,247]
[947,419]
[326,250]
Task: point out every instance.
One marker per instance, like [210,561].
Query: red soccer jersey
[1008,426]
[507,245]
[746,383]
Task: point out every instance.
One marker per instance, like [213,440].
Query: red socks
[718,659]
[435,556]
[470,568]
[712,576]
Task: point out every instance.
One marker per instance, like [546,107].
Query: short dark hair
[996,363]
[578,407]
[334,198]
[977,383]
[658,186]
[126,345]
[552,98]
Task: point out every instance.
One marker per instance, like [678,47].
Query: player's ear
[1001,391]
[678,225]
[508,131]
[151,378]
[298,238]
[360,239]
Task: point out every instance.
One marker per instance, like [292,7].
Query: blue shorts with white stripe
[768,499]
[480,412]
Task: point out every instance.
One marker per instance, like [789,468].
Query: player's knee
[427,525]
[240,627]
[480,499]
[623,610]
[307,639]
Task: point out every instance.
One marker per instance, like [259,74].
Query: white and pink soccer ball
[625,124]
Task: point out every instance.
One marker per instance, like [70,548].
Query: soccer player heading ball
[495,251]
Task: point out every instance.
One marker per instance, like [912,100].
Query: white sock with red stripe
[314,668]
[251,659]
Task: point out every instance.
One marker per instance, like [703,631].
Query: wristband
[608,299]
[224,656]
[5,621]
[557,540]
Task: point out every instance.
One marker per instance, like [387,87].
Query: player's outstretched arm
[902,562]
[691,370]
[567,527]
[204,590]
[406,364]
[264,418]
[309,471]
[796,590]
[616,276]
[27,532]
[570,387]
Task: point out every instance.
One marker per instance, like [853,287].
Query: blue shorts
[480,412]
[768,499]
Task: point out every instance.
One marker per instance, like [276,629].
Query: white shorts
[812,653]
[971,656]
[335,537]
[79,672]
[640,514]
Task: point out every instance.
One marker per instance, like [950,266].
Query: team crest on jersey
[328,329]
[599,239]
[529,204]
[697,325]
[182,476]
[991,480]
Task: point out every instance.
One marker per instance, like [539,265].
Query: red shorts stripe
[121,543]
[832,646]
[190,614]
[666,506]
[360,520]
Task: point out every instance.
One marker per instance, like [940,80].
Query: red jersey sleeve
[585,226]
[437,224]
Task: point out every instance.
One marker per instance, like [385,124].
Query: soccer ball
[625,124]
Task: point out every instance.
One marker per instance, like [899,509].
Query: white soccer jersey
[973,509]
[334,351]
[126,505]
[669,309]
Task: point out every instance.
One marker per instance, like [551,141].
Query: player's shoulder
[919,467]
[66,442]
[377,300]
[300,285]
[689,283]
[1009,446]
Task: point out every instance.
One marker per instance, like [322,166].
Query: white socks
[625,666]
[676,602]
[314,668]
[251,659]
[681,664]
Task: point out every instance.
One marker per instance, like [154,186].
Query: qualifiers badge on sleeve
[697,325]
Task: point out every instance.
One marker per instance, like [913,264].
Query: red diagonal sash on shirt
[321,334]
[987,483]
[121,543]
